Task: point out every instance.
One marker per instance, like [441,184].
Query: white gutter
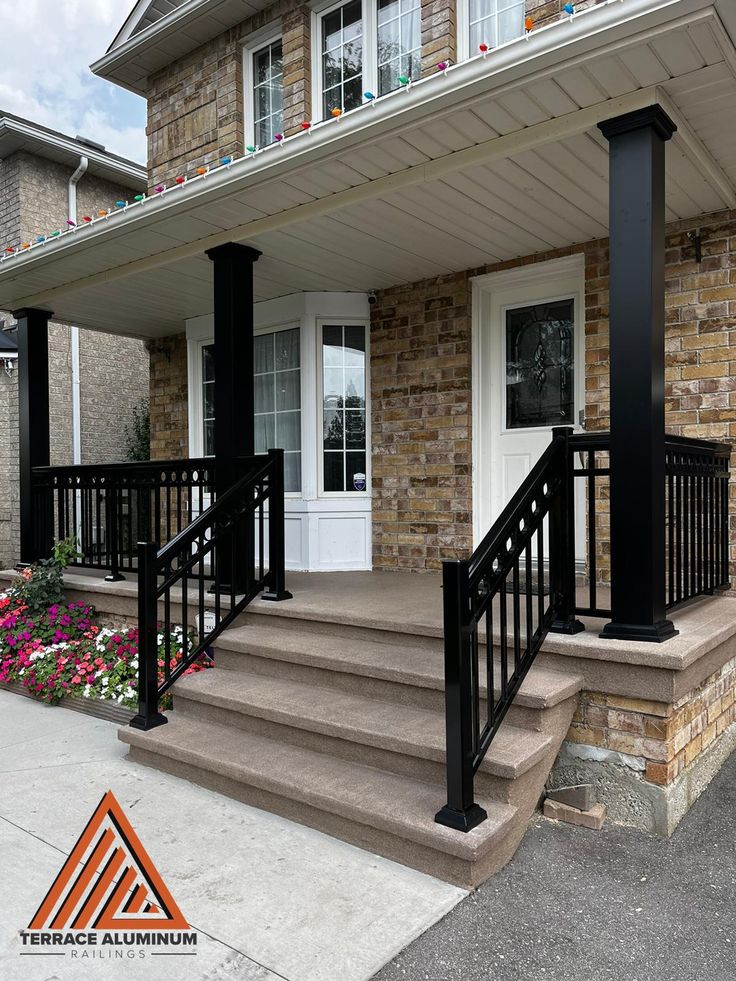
[74,339]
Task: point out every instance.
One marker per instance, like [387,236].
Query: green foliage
[42,585]
[137,433]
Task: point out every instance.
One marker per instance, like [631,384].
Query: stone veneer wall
[169,398]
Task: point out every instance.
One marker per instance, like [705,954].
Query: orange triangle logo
[108,882]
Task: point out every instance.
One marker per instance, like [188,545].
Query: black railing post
[562,542]
[148,714]
[112,533]
[35,504]
[277,590]
[461,812]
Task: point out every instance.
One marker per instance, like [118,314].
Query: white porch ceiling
[507,168]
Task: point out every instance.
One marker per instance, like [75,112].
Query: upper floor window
[267,93]
[494,22]
[342,57]
[366,46]
[399,42]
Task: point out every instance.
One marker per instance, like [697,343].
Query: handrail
[510,563]
[230,539]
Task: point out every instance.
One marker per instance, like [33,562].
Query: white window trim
[255,43]
[321,492]
[369,82]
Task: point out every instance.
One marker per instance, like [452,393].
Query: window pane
[352,20]
[267,93]
[387,9]
[287,349]
[292,472]
[263,353]
[288,430]
[333,430]
[288,395]
[332,71]
[332,30]
[355,430]
[208,362]
[355,464]
[264,433]
[208,410]
[510,23]
[209,438]
[334,379]
[334,472]
[264,393]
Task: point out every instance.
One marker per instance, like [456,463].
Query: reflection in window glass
[343,411]
[540,365]
[342,58]
[267,93]
[399,42]
[494,22]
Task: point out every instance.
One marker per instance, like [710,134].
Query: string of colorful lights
[202,171]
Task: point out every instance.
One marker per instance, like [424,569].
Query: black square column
[637,242]
[234,404]
[33,429]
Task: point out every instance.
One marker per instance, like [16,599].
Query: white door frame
[563,277]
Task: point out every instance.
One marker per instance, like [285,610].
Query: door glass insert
[540,365]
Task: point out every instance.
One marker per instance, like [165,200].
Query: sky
[48,46]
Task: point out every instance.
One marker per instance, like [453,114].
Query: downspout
[74,338]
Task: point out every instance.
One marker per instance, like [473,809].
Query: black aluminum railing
[109,508]
[520,583]
[206,576]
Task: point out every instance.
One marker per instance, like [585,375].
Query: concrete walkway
[270,899]
[615,905]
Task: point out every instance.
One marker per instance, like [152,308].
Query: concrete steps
[342,728]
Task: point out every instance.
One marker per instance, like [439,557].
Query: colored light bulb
[41,238]
[226,160]
[404,79]
[10,250]
[201,171]
[369,96]
[55,234]
[159,189]
[483,48]
[26,245]
[442,66]
[70,223]
[180,180]
[87,219]
[306,124]
[336,112]
[120,204]
[139,197]
[278,137]
[569,8]
[251,149]
[528,24]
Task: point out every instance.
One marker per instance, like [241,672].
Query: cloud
[47,48]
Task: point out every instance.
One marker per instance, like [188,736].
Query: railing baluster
[148,714]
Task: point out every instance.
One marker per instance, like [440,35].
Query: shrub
[137,433]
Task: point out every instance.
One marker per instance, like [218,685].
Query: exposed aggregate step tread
[375,798]
[405,729]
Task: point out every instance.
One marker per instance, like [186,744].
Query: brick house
[36,167]
[469,267]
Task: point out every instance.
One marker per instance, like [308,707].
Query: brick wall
[169,405]
[9,492]
[439,33]
[9,202]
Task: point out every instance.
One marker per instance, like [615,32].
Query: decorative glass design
[540,365]
[342,58]
[399,42]
[494,22]
[343,416]
[268,89]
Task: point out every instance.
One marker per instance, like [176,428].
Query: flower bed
[59,650]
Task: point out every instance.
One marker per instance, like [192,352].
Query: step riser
[450,868]
[492,786]
[372,633]
[377,688]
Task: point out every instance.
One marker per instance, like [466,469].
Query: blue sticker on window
[359,482]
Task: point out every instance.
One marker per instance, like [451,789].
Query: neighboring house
[408,243]
[95,379]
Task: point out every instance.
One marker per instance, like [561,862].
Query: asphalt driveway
[615,905]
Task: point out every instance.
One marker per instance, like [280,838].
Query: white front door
[528,376]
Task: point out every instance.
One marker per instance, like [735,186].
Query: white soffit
[515,169]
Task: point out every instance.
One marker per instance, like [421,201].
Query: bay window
[278,400]
[344,408]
